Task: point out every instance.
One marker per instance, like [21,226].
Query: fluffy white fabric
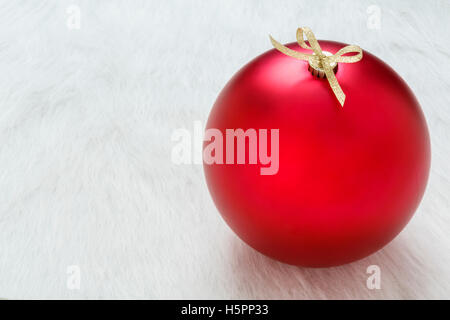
[86,118]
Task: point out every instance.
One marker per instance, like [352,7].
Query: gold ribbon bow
[320,59]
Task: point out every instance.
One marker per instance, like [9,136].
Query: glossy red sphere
[349,178]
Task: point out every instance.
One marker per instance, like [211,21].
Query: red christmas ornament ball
[349,178]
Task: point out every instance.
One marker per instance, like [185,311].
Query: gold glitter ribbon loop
[323,61]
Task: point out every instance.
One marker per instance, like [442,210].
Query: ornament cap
[317,70]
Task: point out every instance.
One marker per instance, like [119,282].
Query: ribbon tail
[337,90]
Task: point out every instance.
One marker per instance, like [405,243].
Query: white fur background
[86,118]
